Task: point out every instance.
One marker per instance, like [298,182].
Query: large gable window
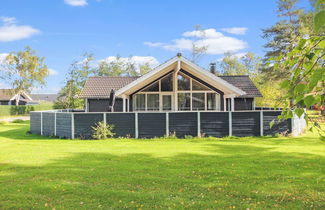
[183,82]
[191,95]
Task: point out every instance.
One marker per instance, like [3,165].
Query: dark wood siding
[101,105]
[243,104]
[278,127]
[83,124]
[35,122]
[48,124]
[63,125]
[124,124]
[151,125]
[215,123]
[246,124]
[184,123]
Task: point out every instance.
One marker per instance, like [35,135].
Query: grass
[263,173]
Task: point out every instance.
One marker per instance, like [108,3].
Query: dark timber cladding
[278,127]
[151,125]
[183,123]
[124,124]
[35,122]
[246,124]
[83,124]
[101,105]
[215,123]
[48,123]
[63,125]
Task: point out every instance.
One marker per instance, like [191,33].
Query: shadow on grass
[241,176]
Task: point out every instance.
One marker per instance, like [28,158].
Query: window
[152,88]
[211,101]
[198,86]
[140,102]
[152,102]
[183,82]
[184,101]
[198,101]
[167,83]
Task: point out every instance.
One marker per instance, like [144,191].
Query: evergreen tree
[281,37]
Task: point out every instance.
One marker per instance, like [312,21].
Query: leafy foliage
[102,130]
[24,70]
[306,85]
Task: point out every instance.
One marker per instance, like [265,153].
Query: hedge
[12,110]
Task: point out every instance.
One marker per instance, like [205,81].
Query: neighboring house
[8,97]
[176,85]
[44,97]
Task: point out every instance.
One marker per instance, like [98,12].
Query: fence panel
[246,124]
[35,122]
[183,123]
[151,125]
[83,124]
[215,123]
[48,123]
[124,124]
[63,125]
[278,127]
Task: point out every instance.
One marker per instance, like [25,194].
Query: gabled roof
[6,94]
[177,62]
[45,97]
[9,94]
[100,87]
[245,83]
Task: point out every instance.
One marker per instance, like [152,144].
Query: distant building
[44,97]
[8,97]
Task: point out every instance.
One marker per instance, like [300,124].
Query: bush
[12,110]
[102,130]
[17,121]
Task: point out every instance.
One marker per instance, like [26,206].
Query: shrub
[17,121]
[102,130]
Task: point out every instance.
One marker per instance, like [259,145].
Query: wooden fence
[157,124]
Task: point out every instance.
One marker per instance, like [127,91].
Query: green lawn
[41,173]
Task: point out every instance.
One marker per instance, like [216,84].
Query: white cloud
[52,72]
[207,33]
[3,57]
[9,31]
[76,3]
[136,60]
[237,55]
[216,42]
[235,30]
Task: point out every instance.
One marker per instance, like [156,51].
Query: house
[9,97]
[44,97]
[176,85]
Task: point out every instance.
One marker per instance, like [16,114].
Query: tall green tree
[281,37]
[75,81]
[24,70]
[305,87]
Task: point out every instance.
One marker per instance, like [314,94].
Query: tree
[198,50]
[24,70]
[305,86]
[75,81]
[281,38]
[247,64]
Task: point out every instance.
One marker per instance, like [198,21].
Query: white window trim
[176,91]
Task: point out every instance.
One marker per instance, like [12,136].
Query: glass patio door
[166,100]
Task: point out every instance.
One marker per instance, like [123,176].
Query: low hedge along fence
[12,110]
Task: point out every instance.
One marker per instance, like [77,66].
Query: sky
[145,30]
